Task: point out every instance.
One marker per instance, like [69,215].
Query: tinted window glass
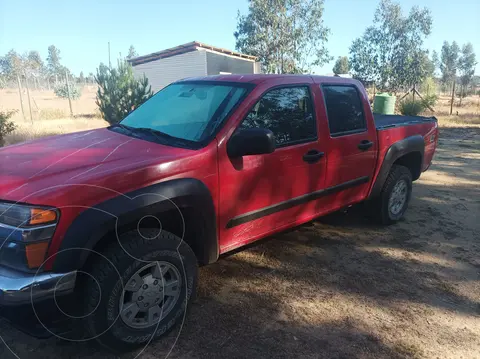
[287,112]
[344,109]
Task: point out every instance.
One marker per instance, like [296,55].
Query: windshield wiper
[123,127]
[164,137]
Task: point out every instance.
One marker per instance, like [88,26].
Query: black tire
[380,206]
[105,323]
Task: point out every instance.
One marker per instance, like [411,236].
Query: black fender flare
[93,224]
[398,149]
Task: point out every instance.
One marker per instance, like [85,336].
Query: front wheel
[393,200]
[139,290]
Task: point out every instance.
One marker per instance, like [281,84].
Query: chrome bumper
[18,288]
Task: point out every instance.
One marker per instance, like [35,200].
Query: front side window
[187,111]
[287,112]
[344,109]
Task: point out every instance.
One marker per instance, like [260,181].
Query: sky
[81,29]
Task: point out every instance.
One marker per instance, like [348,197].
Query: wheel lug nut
[145,286]
[146,305]
[155,282]
[140,298]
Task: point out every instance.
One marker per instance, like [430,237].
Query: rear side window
[344,109]
[287,112]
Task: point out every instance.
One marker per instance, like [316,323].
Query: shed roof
[181,49]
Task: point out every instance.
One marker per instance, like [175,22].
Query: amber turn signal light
[35,254]
[40,216]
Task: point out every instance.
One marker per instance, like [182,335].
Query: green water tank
[384,104]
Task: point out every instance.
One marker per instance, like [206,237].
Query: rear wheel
[391,204]
[140,290]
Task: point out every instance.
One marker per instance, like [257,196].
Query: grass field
[338,287]
[51,115]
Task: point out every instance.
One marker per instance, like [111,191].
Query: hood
[77,158]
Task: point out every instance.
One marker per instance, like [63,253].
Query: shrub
[6,126]
[119,92]
[429,100]
[61,90]
[411,108]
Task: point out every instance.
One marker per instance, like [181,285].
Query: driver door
[260,194]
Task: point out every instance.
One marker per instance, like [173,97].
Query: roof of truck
[259,78]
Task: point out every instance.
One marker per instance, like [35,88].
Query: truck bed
[388,121]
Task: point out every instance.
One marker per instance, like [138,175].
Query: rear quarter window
[344,109]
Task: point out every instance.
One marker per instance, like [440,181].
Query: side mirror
[251,141]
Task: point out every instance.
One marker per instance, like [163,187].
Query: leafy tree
[81,77]
[35,62]
[6,126]
[341,66]
[53,59]
[428,86]
[390,51]
[449,62]
[119,92]
[287,36]
[435,61]
[12,64]
[53,63]
[466,65]
[132,52]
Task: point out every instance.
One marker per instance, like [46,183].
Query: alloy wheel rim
[150,294]
[398,197]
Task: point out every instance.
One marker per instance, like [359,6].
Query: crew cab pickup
[123,216]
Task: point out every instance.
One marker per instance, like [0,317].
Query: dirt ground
[339,287]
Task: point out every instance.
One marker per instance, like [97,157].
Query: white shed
[191,60]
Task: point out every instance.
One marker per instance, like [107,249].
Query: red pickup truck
[205,166]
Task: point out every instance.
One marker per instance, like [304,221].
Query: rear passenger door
[352,148]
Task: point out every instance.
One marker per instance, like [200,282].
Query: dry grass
[466,115]
[41,128]
[50,114]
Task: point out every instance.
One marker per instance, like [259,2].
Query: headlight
[25,234]
[24,216]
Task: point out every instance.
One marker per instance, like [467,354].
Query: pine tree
[131,52]
[119,92]
[341,66]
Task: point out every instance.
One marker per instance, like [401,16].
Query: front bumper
[17,288]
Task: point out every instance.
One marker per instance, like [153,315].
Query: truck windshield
[187,111]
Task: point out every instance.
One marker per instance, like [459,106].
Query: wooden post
[20,93]
[413,92]
[453,97]
[28,95]
[69,95]
[421,98]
